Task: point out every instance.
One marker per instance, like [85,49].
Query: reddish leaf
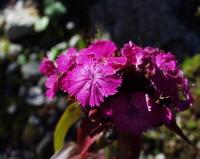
[88,133]
[86,128]
[88,143]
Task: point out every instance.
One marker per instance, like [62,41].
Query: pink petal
[66,61]
[85,56]
[166,61]
[130,50]
[51,85]
[47,67]
[117,62]
[103,48]
[91,83]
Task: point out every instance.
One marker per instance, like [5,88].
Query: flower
[184,101]
[85,56]
[166,61]
[152,87]
[161,70]
[163,85]
[131,51]
[63,82]
[52,85]
[67,60]
[47,67]
[102,51]
[169,81]
[131,114]
[164,67]
[140,58]
[90,83]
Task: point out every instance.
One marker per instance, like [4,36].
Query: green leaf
[48,2]
[81,44]
[21,59]
[41,24]
[72,113]
[55,9]
[192,124]
[4,46]
[54,53]
[57,50]
[191,65]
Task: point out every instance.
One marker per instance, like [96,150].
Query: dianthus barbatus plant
[122,92]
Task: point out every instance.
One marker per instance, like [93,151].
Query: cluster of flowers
[133,88]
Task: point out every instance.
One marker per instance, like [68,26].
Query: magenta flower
[166,62]
[145,58]
[185,101]
[140,58]
[63,82]
[102,51]
[92,82]
[163,80]
[169,81]
[117,62]
[85,56]
[52,85]
[47,67]
[131,113]
[131,51]
[151,88]
[67,60]
[163,85]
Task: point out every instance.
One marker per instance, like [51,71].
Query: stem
[129,146]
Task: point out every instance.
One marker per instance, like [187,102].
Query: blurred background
[30,29]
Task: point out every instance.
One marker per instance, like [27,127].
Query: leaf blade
[70,116]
